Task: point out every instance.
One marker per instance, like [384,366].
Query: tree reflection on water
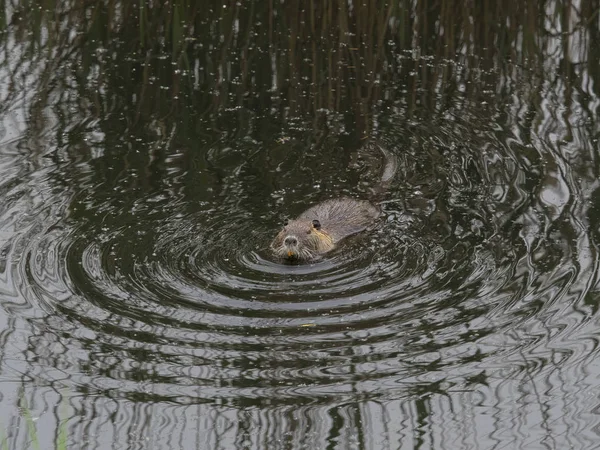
[117,115]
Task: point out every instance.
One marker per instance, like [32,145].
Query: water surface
[149,153]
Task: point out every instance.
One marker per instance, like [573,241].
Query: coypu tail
[388,172]
[388,163]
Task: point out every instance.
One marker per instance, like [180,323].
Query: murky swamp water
[150,151]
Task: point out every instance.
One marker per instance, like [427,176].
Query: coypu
[319,229]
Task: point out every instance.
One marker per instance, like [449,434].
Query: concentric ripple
[196,291]
[149,155]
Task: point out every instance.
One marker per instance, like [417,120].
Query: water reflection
[149,152]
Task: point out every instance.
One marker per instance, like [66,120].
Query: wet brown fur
[338,218]
[319,229]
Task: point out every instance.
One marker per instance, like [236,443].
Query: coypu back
[318,229]
[342,217]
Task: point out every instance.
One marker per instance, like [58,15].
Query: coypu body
[320,228]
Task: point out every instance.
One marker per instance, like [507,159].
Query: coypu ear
[316,224]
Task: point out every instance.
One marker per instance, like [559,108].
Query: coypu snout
[290,241]
[301,240]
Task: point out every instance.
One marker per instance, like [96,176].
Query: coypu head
[301,240]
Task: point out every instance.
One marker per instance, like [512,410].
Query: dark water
[150,151]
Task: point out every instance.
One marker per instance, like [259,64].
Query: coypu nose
[290,241]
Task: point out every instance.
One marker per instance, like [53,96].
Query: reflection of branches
[293,56]
[151,66]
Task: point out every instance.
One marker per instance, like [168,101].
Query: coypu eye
[285,222]
[316,224]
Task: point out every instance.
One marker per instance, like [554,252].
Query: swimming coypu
[319,229]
